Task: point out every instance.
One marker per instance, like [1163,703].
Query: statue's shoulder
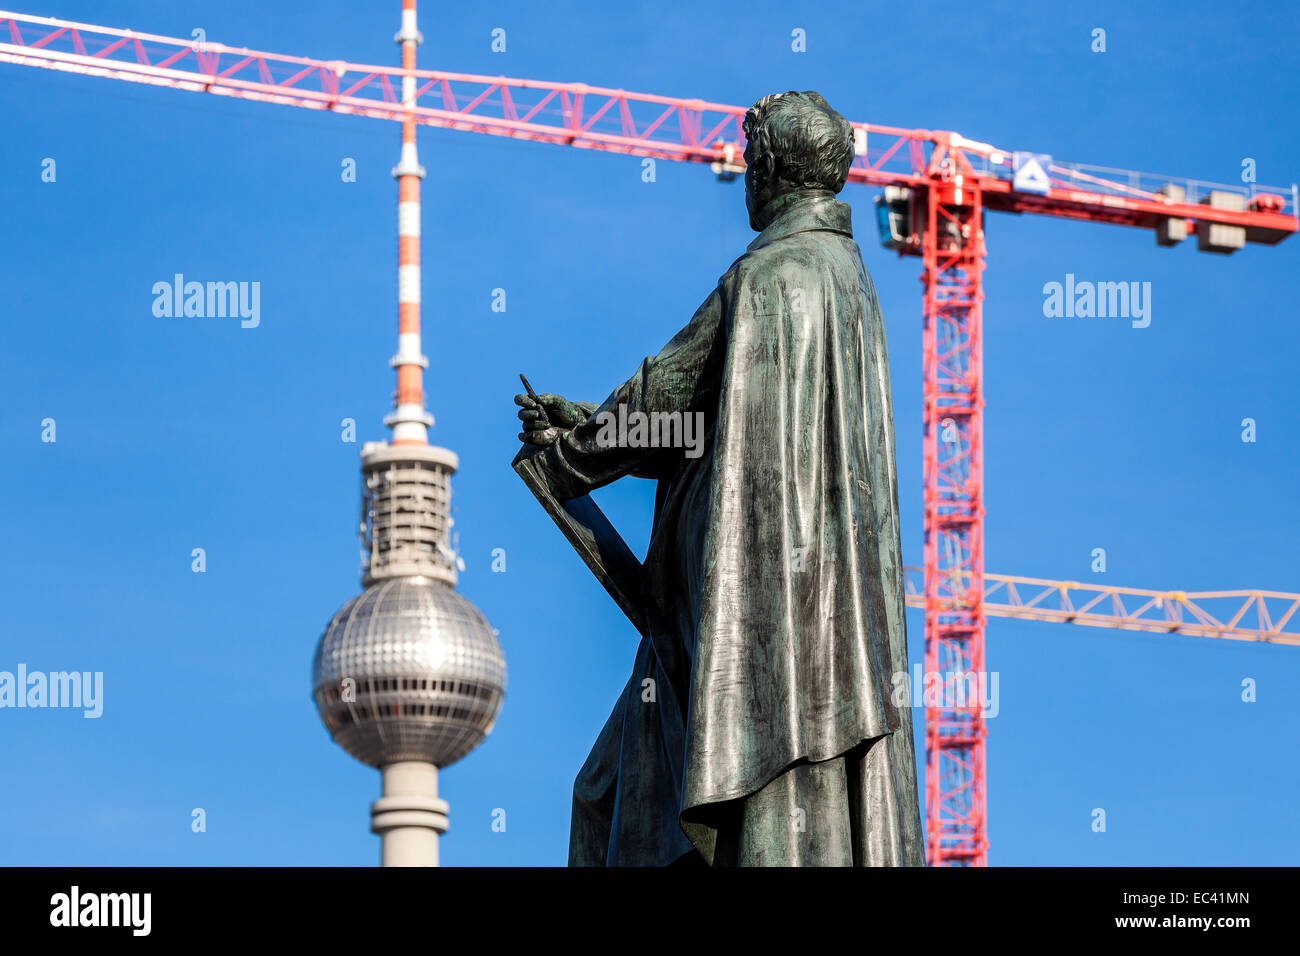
[816,251]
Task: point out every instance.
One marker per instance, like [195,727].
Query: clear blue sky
[176,434]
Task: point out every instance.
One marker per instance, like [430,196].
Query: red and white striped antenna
[409,420]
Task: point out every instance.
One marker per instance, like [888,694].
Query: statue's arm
[588,409]
[678,379]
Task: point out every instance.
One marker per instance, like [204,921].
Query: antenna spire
[409,420]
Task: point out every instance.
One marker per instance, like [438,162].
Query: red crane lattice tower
[953,416]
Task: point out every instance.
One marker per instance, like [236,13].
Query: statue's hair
[811,144]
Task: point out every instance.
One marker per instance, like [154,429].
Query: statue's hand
[561,413]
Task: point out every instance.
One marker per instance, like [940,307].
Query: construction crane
[1261,616]
[937,187]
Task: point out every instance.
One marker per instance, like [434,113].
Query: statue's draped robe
[759,725]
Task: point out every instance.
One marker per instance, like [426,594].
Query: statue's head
[793,141]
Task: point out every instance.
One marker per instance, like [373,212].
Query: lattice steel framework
[952,248]
[1265,617]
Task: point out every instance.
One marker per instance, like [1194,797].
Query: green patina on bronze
[759,725]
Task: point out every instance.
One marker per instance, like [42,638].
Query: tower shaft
[409,817]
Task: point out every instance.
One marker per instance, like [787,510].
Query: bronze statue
[758,727]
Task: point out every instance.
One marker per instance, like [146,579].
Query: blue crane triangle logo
[1031,173]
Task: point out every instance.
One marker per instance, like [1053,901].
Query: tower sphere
[427,674]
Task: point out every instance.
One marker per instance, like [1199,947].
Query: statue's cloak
[774,579]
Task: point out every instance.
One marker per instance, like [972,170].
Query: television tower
[408,676]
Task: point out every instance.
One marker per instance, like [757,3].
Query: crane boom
[639,124]
[1242,615]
